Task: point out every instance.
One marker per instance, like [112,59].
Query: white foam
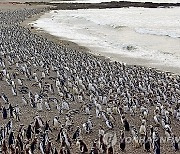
[133,32]
[171,33]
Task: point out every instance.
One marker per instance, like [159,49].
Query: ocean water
[149,34]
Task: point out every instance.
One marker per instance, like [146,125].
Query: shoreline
[109,56]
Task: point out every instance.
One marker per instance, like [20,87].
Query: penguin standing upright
[122,142]
[24,100]
[36,126]
[11,138]
[4,113]
[142,130]
[77,133]
[147,144]
[126,124]
[82,146]
[151,132]
[156,142]
[29,132]
[47,127]
[39,105]
[17,112]
[56,123]
[11,109]
[110,150]
[33,145]
[55,151]
[156,148]
[109,124]
[4,147]
[94,149]
[175,143]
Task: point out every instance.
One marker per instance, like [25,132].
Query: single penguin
[4,113]
[122,142]
[11,138]
[77,133]
[147,144]
[82,146]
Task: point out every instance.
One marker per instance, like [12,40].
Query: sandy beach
[38,48]
[110,40]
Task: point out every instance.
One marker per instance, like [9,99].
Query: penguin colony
[56,100]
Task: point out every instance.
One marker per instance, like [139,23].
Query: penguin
[36,126]
[14,92]
[39,105]
[147,144]
[9,126]
[175,143]
[17,112]
[47,127]
[94,149]
[125,123]
[102,146]
[11,109]
[82,146]
[110,150]
[88,126]
[151,131]
[156,148]
[65,106]
[20,142]
[33,145]
[87,110]
[157,119]
[20,82]
[29,132]
[109,124]
[68,123]
[122,142]
[41,145]
[4,147]
[5,98]
[142,130]
[98,115]
[11,138]
[56,123]
[43,75]
[60,135]
[168,131]
[4,113]
[51,88]
[55,151]
[64,150]
[156,142]
[134,133]
[77,133]
[47,105]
